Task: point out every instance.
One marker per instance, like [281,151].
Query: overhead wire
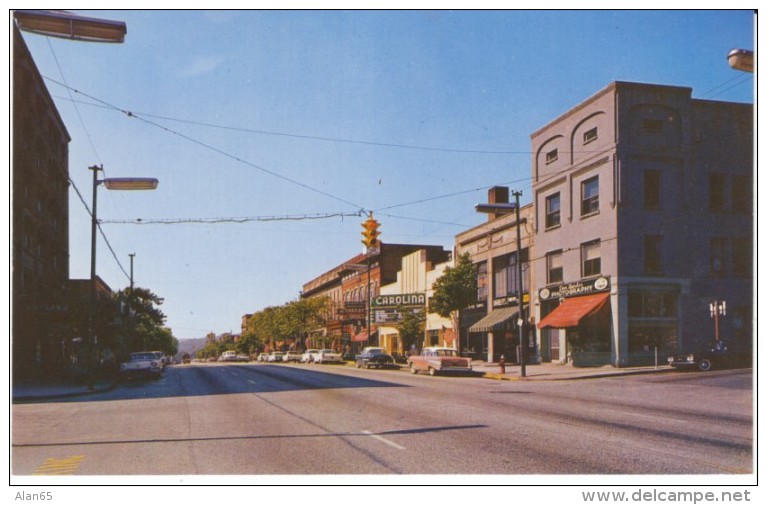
[216,149]
[95,152]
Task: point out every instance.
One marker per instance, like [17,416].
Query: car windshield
[445,352]
[375,351]
[142,357]
[327,351]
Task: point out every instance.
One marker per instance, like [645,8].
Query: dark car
[374,357]
[714,356]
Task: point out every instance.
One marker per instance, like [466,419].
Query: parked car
[436,360]
[328,356]
[242,357]
[186,358]
[714,356]
[374,357]
[275,357]
[308,355]
[291,356]
[228,356]
[263,357]
[141,364]
[162,358]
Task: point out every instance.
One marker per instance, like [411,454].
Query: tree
[145,322]
[455,290]
[411,327]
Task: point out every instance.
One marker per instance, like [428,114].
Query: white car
[291,356]
[308,355]
[328,356]
[228,356]
[142,364]
[276,357]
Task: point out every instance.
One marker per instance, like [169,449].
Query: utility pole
[520,285]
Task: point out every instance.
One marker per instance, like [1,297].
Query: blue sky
[410,114]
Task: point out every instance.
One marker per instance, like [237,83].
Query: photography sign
[386,308]
[575,289]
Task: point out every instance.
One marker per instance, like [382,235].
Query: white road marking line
[382,439]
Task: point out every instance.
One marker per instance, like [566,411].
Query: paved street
[256,419]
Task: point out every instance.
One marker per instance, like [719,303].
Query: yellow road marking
[56,466]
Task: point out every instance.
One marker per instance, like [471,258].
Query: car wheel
[432,371]
[705,365]
[412,369]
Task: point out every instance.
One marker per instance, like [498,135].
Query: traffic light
[370,233]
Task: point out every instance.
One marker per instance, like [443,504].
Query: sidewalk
[557,371]
[42,389]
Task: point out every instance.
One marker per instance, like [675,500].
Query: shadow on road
[231,379]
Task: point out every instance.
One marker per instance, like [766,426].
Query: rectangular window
[741,194]
[591,258]
[482,281]
[716,192]
[652,189]
[554,267]
[552,156]
[590,136]
[653,304]
[742,254]
[552,211]
[590,196]
[500,276]
[653,254]
[718,252]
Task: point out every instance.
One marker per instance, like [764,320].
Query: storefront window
[653,304]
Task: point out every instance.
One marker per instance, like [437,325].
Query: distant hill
[191,345]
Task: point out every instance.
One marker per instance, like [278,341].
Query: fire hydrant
[502,364]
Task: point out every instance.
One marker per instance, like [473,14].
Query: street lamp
[717,309]
[66,25]
[507,208]
[741,59]
[118,183]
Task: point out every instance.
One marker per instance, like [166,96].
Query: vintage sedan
[276,357]
[141,364]
[436,360]
[374,357]
[308,355]
[328,356]
[291,356]
[714,356]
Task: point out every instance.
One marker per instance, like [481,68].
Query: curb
[70,394]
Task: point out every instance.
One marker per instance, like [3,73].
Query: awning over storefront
[572,310]
[362,336]
[494,320]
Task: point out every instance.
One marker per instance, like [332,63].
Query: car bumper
[456,369]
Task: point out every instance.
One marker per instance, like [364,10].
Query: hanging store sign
[579,288]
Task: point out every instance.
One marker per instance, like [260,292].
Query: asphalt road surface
[261,419]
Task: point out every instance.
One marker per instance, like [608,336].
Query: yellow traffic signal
[370,233]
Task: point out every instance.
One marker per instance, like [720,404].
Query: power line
[315,137]
[217,150]
[235,220]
